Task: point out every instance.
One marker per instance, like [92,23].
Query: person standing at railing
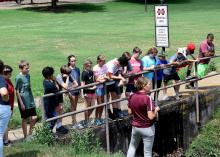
[25,97]
[149,62]
[188,51]
[65,81]
[114,67]
[206,49]
[161,62]
[178,60]
[52,102]
[5,108]
[100,71]
[141,106]
[87,77]
[7,73]
[134,66]
[75,74]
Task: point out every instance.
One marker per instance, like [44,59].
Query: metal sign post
[161,26]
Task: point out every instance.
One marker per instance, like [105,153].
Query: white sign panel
[161,15]
[162,37]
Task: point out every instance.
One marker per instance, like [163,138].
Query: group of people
[137,90]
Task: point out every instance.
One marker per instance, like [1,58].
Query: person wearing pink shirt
[135,66]
[206,49]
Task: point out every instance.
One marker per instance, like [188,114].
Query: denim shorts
[99,92]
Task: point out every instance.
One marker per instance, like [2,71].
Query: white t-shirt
[100,72]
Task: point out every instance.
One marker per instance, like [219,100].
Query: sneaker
[98,122]
[189,87]
[7,144]
[77,126]
[28,138]
[166,98]
[177,97]
[188,77]
[120,115]
[62,130]
[125,113]
[102,121]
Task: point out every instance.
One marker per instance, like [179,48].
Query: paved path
[204,84]
[39,3]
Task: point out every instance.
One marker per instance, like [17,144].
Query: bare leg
[24,127]
[87,113]
[165,90]
[177,88]
[101,108]
[92,103]
[33,121]
[59,110]
[114,97]
[73,101]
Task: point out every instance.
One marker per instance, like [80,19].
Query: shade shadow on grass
[68,8]
[25,154]
[156,1]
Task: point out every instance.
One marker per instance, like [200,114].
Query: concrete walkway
[41,3]
[205,84]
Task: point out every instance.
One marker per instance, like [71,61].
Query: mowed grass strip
[45,37]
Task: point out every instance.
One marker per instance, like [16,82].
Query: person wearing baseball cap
[178,59]
[188,51]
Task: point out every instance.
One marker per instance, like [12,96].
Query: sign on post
[161,26]
[162,37]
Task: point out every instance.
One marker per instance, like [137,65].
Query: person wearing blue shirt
[149,62]
[161,61]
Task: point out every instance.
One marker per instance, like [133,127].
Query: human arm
[114,77]
[4,94]
[63,80]
[18,87]
[145,64]
[129,110]
[20,100]
[152,114]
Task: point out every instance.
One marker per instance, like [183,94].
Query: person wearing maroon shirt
[7,75]
[140,105]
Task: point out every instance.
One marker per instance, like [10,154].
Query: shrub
[212,67]
[84,142]
[43,135]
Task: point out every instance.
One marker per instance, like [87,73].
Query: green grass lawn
[207,143]
[30,149]
[46,38]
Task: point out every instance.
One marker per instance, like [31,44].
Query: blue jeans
[147,134]
[5,114]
